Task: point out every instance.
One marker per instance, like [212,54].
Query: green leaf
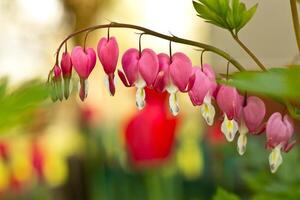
[3,87]
[247,16]
[278,82]
[209,15]
[224,195]
[17,107]
[228,14]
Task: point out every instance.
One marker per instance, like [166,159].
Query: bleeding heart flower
[253,114]
[230,102]
[175,74]
[84,61]
[140,70]
[202,92]
[66,67]
[279,131]
[108,53]
[56,82]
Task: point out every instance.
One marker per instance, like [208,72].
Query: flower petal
[173,104]
[242,143]
[275,159]
[83,90]
[229,128]
[202,86]
[123,78]
[66,65]
[80,62]
[181,70]
[110,84]
[254,113]
[108,53]
[229,101]
[159,85]
[91,54]
[130,61]
[207,110]
[140,98]
[148,66]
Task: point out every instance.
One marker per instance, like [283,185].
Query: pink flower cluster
[142,69]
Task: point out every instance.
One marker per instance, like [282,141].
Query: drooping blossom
[150,134]
[175,74]
[203,90]
[84,61]
[141,69]
[253,114]
[279,132]
[230,102]
[108,53]
[66,68]
[56,82]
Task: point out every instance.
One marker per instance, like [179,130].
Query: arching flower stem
[172,38]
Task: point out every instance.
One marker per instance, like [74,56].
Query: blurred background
[104,148]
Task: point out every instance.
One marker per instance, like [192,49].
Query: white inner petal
[275,158]
[242,140]
[140,93]
[171,88]
[106,83]
[173,104]
[140,98]
[229,128]
[207,110]
[242,143]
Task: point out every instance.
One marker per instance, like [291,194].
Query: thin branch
[249,52]
[159,35]
[295,21]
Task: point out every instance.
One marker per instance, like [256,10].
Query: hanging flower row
[174,73]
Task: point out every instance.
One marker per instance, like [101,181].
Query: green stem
[249,52]
[295,21]
[172,38]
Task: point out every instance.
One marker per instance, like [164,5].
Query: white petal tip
[174,108]
[241,150]
[229,128]
[140,98]
[140,105]
[275,159]
[241,144]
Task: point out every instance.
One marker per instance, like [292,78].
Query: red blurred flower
[37,159]
[150,134]
[4,151]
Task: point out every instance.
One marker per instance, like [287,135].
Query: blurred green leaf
[224,195]
[228,14]
[17,107]
[277,82]
[3,86]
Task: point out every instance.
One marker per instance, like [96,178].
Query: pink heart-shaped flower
[279,131]
[83,61]
[148,66]
[130,61]
[204,84]
[254,113]
[181,71]
[66,64]
[108,53]
[230,101]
